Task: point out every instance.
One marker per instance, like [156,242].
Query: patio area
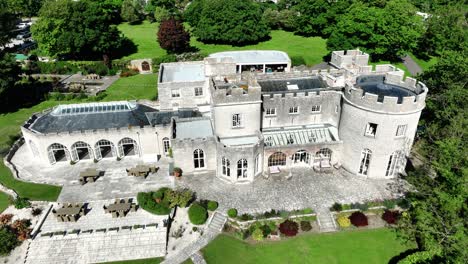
[305,189]
[114,183]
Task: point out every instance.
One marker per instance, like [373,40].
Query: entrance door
[301,157]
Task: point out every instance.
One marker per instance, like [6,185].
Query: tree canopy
[7,23]
[76,29]
[172,36]
[235,22]
[28,8]
[132,11]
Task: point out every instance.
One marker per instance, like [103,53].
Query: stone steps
[326,221]
[217,222]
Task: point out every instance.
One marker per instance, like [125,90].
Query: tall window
[242,168]
[366,155]
[257,164]
[226,167]
[316,108]
[198,159]
[175,93]
[401,130]
[236,120]
[270,112]
[371,129]
[294,110]
[166,145]
[393,162]
[198,91]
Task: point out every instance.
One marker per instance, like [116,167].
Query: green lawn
[144,36]
[4,201]
[366,246]
[138,261]
[141,86]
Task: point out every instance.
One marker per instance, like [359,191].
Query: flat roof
[254,56]
[58,120]
[183,72]
[165,117]
[197,128]
[375,84]
[285,85]
[238,141]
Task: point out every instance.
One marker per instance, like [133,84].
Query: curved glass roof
[89,108]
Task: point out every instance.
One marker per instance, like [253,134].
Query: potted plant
[177,172]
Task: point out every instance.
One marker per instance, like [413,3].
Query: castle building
[242,114]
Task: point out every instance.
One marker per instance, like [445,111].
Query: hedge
[232,212]
[147,201]
[197,214]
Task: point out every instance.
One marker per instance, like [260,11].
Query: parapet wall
[356,95]
[235,94]
[344,59]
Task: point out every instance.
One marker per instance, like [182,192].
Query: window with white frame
[366,155]
[401,130]
[242,168]
[257,164]
[175,93]
[294,110]
[198,91]
[236,120]
[371,129]
[226,164]
[316,108]
[166,145]
[198,159]
[270,112]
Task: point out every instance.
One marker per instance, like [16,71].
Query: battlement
[349,59]
[390,93]
[235,92]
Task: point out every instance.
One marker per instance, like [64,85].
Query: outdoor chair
[60,218]
[133,208]
[114,215]
[82,182]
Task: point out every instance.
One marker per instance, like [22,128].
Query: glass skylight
[88,108]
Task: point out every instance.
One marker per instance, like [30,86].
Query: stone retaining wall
[7,161]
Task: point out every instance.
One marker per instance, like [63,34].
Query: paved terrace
[114,184]
[306,189]
[99,246]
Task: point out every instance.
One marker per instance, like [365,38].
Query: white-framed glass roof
[298,137]
[88,108]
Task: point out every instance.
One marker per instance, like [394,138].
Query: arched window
[57,152]
[323,155]
[277,159]
[242,168]
[104,149]
[166,145]
[394,163]
[81,150]
[366,155]
[301,156]
[127,147]
[226,170]
[198,159]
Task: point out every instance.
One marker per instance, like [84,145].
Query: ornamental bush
[391,217]
[148,203]
[5,219]
[289,228]
[212,205]
[358,219]
[343,221]
[337,207]
[232,212]
[8,241]
[21,203]
[257,234]
[306,226]
[197,214]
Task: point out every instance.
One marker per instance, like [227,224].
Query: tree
[76,29]
[27,8]
[193,12]
[9,72]
[161,14]
[236,22]
[173,37]
[436,220]
[131,11]
[384,33]
[7,23]
[8,241]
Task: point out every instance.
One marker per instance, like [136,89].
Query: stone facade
[354,116]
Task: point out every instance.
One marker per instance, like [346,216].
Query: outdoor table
[68,211]
[119,207]
[139,170]
[89,174]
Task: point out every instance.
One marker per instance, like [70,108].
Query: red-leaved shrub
[289,228]
[5,219]
[358,219]
[391,217]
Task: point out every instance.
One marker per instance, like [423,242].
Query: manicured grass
[138,261]
[366,246]
[311,49]
[141,86]
[4,201]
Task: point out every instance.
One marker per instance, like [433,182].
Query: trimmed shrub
[5,219]
[389,203]
[391,217]
[257,234]
[148,203]
[246,217]
[289,228]
[343,221]
[197,214]
[8,241]
[232,212]
[272,213]
[21,203]
[36,211]
[358,219]
[404,203]
[337,207]
[360,206]
[306,226]
[266,229]
[212,205]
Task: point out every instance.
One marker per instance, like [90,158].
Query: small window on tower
[371,129]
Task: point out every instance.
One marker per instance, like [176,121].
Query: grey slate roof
[165,117]
[281,85]
[51,123]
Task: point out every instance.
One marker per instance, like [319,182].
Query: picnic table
[141,170]
[70,212]
[89,175]
[120,208]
